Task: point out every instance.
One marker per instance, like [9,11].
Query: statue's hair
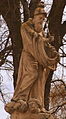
[40,4]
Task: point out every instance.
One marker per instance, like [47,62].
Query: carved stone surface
[37,58]
[28,115]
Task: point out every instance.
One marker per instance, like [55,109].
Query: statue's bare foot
[34,108]
[21,106]
[16,105]
[9,107]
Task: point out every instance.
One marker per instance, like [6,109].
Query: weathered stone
[37,58]
[28,115]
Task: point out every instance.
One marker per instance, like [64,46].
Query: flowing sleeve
[45,53]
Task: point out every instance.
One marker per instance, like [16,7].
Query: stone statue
[37,58]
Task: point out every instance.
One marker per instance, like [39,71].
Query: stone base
[28,115]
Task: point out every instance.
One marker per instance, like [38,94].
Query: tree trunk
[13,20]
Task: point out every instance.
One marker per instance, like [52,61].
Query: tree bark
[55,18]
[13,20]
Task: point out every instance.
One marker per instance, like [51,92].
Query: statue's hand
[35,35]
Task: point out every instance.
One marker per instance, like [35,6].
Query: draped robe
[37,58]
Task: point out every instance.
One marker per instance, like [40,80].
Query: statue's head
[39,16]
[40,9]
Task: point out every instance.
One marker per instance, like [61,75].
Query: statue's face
[38,22]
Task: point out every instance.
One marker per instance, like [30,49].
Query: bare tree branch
[62,65]
[4,53]
[59,80]
[59,106]
[2,96]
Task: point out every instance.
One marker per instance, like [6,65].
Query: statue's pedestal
[28,115]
